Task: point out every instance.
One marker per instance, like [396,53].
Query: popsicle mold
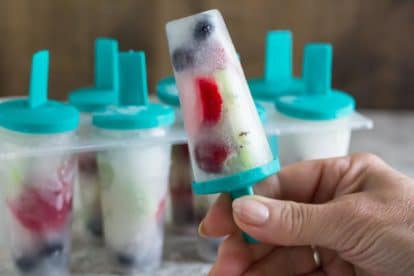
[104,92]
[134,180]
[38,191]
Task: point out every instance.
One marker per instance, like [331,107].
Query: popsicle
[38,190]
[134,179]
[228,146]
[318,105]
[104,92]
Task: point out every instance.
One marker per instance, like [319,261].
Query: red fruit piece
[46,207]
[161,209]
[210,157]
[211,101]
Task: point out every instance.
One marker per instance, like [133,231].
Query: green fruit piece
[106,172]
[248,135]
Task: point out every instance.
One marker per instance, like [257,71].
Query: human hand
[357,211]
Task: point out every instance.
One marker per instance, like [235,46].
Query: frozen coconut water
[320,107]
[104,92]
[134,180]
[38,190]
[228,146]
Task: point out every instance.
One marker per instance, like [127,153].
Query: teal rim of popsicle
[278,76]
[134,110]
[167,92]
[318,100]
[104,92]
[37,114]
[237,181]
[262,112]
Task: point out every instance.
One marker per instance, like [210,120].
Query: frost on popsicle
[225,134]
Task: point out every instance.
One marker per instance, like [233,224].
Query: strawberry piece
[211,101]
[47,206]
[210,157]
[161,209]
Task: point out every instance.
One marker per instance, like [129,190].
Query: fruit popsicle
[134,179]
[104,92]
[228,146]
[38,190]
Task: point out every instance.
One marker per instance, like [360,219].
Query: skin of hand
[357,211]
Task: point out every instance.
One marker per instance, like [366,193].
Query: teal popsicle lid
[104,92]
[167,91]
[278,76]
[134,110]
[36,114]
[318,101]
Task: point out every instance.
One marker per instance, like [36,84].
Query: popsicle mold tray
[293,105]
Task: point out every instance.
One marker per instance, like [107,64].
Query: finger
[218,221]
[337,266]
[285,261]
[319,181]
[268,187]
[291,224]
[235,255]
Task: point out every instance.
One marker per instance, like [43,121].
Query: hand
[357,211]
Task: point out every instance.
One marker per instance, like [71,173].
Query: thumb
[290,223]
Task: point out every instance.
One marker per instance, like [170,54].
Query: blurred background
[373,39]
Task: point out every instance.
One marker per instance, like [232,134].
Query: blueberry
[51,249]
[203,30]
[182,58]
[87,163]
[126,260]
[25,263]
[95,226]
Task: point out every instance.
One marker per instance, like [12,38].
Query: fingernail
[201,230]
[250,210]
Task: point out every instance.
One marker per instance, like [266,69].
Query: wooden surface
[373,39]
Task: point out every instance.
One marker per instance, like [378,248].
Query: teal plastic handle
[106,64]
[278,57]
[318,68]
[240,193]
[133,75]
[39,79]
